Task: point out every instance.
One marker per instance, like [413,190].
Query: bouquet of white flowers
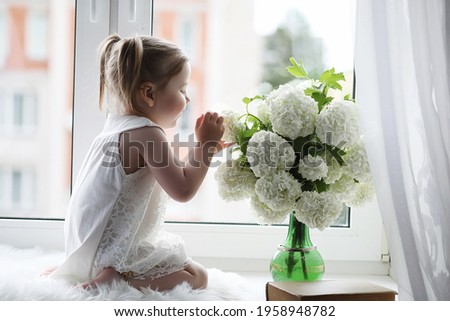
[298,150]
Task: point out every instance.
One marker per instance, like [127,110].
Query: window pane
[36,34]
[241,48]
[16,187]
[35,107]
[18,110]
[3,34]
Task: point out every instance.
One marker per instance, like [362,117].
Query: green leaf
[257,97]
[255,125]
[347,97]
[301,144]
[321,99]
[246,100]
[297,69]
[310,91]
[330,79]
[249,133]
[320,186]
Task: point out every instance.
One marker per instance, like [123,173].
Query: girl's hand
[209,129]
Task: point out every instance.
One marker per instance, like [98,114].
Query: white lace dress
[116,220]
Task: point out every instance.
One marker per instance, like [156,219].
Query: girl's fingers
[199,121]
[211,116]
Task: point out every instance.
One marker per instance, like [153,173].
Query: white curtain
[401,63]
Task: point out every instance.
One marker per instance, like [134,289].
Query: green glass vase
[297,259]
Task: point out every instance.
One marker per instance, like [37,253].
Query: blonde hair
[126,63]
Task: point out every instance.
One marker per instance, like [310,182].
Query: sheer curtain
[401,63]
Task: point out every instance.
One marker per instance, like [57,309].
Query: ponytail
[129,68]
[105,53]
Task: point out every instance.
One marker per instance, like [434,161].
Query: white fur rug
[20,280]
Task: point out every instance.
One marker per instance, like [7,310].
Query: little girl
[114,222]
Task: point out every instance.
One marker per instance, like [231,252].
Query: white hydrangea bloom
[292,113]
[262,111]
[232,125]
[279,191]
[357,162]
[318,210]
[267,153]
[264,215]
[335,171]
[235,182]
[313,167]
[363,193]
[338,123]
[344,187]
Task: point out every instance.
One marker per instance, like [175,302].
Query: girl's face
[171,101]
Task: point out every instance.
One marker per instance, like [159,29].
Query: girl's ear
[147,93]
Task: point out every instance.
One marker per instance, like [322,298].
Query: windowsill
[239,249]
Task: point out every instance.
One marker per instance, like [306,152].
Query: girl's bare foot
[49,271]
[106,276]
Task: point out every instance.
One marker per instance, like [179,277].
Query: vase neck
[298,234]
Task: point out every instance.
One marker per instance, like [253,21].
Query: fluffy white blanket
[20,280]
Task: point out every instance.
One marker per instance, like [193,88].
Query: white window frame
[357,249]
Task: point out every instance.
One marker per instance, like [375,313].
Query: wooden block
[328,290]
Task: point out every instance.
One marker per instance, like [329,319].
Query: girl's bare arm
[181,182]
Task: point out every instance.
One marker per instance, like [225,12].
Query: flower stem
[298,234]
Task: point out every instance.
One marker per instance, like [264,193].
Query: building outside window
[36,106]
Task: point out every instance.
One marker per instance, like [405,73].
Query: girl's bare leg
[195,274]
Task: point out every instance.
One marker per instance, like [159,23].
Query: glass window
[24,112]
[17,187]
[18,110]
[245,58]
[35,107]
[37,34]
[3,34]
[2,111]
